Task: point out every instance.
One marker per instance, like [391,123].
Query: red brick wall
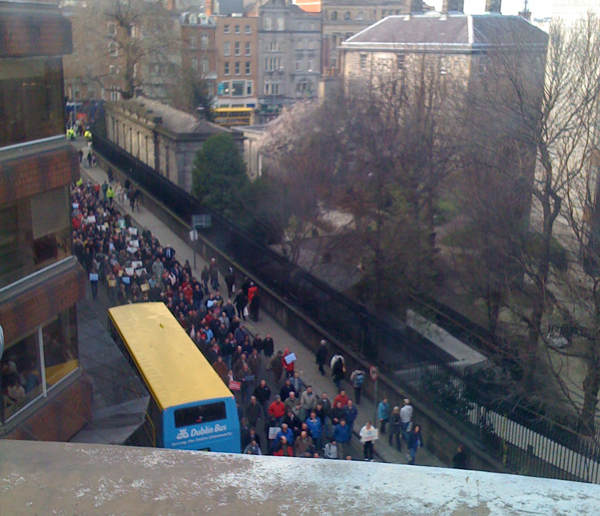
[25,312]
[38,173]
[60,418]
[34,31]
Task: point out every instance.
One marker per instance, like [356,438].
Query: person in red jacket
[289,368]
[283,449]
[277,410]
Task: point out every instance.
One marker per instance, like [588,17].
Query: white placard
[136,264]
[132,249]
[369,435]
[91,219]
[133,231]
[134,243]
[290,358]
[129,271]
[273,431]
[139,272]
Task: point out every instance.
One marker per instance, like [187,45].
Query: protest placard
[133,231]
[273,431]
[139,272]
[290,358]
[235,386]
[129,271]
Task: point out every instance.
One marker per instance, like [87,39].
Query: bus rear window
[200,414]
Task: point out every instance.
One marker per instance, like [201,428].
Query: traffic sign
[373,372]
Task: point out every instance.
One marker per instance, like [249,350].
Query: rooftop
[174,120]
[58,478]
[458,30]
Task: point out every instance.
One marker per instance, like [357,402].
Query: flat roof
[58,478]
[173,367]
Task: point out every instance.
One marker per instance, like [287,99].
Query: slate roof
[173,120]
[457,31]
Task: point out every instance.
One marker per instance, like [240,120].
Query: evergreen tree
[219,175]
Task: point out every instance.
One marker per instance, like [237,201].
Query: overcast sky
[538,8]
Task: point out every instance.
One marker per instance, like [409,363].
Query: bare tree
[126,46]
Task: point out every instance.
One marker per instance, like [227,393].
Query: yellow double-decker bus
[190,406]
[230,117]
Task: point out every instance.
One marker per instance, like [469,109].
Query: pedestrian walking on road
[338,370]
[395,428]
[406,415]
[368,434]
[383,414]
[321,358]
[277,367]
[230,282]
[357,378]
[415,441]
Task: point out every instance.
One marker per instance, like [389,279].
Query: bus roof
[173,368]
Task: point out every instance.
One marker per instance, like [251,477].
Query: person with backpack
[357,379]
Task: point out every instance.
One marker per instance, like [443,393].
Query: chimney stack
[208,7]
[450,6]
[416,6]
[493,6]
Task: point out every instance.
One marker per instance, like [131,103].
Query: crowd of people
[133,266]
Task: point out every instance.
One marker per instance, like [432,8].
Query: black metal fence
[526,441]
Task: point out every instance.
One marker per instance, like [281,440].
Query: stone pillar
[453,6]
[493,6]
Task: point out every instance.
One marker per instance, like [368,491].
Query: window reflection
[60,346]
[21,375]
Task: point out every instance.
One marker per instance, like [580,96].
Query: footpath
[305,364]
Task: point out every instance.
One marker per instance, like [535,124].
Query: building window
[227,49]
[279,23]
[334,15]
[237,48]
[310,65]
[400,58]
[298,65]
[247,29]
[193,42]
[311,44]
[267,88]
[299,26]
[224,89]
[299,44]
[194,63]
[226,68]
[313,26]
[238,88]
[237,29]
[248,48]
[112,29]
[205,67]
[204,42]
[248,88]
[361,15]
[237,68]
[267,23]
[347,16]
[33,234]
[113,49]
[225,29]
[363,61]
[114,95]
[247,67]
[112,69]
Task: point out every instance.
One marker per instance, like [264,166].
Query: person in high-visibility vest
[88,135]
[110,195]
[79,182]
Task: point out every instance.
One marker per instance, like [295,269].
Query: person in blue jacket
[285,432]
[415,441]
[383,414]
[350,414]
[342,435]
[316,429]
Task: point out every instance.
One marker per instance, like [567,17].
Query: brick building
[160,136]
[44,393]
[199,47]
[237,61]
